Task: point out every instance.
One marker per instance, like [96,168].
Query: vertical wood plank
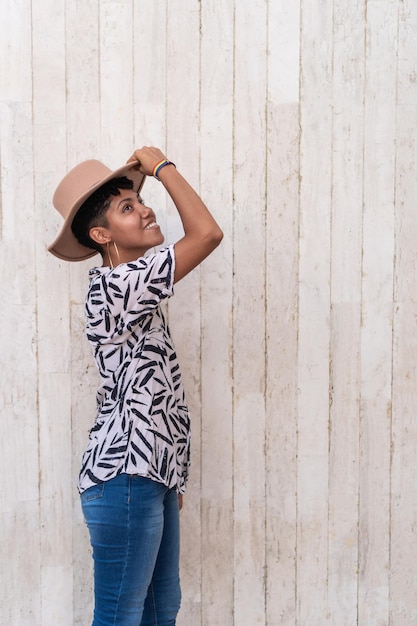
[150,89]
[314,301]
[182,145]
[53,316]
[83,113]
[249,311]
[84,382]
[56,498]
[403,581]
[150,71]
[377,311]
[82,58]
[346,270]
[116,84]
[282,309]
[20,556]
[216,325]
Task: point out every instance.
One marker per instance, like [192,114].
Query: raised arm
[202,234]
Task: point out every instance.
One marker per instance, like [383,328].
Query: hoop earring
[117,251]
[109,255]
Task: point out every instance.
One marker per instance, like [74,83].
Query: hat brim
[66,246]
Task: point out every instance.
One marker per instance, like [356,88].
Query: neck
[114,255]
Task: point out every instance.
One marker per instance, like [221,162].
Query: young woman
[135,467]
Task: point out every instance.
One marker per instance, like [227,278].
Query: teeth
[151,225]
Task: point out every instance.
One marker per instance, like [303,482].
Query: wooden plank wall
[298,337]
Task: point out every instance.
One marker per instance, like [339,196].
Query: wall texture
[296,120]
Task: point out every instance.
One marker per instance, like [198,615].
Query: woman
[135,467]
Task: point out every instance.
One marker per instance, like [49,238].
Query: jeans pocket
[93,493]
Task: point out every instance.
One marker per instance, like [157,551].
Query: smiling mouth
[151,226]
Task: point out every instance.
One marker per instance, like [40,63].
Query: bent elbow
[209,240]
[216,237]
[213,240]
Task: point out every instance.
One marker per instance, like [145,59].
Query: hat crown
[77,184]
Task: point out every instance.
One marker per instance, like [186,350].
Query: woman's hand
[147,157]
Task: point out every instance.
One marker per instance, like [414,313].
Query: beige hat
[73,191]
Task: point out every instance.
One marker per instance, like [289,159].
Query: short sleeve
[131,291]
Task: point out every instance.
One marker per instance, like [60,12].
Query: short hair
[93,211]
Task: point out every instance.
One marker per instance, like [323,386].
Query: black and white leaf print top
[142,425]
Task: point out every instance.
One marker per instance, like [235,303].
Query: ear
[100,235]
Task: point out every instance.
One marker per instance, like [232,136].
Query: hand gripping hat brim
[73,191]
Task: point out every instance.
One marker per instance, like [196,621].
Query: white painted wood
[377,312]
[314,305]
[150,71]
[296,337]
[150,90]
[56,501]
[53,380]
[282,180]
[182,129]
[116,79]
[82,78]
[84,381]
[216,140]
[403,610]
[20,551]
[345,316]
[83,119]
[249,301]
[20,564]
[156,112]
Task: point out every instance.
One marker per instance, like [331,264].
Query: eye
[126,208]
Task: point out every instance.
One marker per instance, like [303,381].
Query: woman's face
[132,225]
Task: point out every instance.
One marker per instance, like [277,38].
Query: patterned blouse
[142,425]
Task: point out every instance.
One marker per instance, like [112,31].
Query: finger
[133,158]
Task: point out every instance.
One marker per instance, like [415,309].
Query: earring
[117,251]
[109,255]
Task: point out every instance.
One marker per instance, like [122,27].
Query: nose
[144,210]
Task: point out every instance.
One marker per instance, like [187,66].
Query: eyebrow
[124,200]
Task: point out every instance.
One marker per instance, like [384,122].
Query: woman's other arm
[202,234]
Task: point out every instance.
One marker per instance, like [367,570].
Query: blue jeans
[134,532]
